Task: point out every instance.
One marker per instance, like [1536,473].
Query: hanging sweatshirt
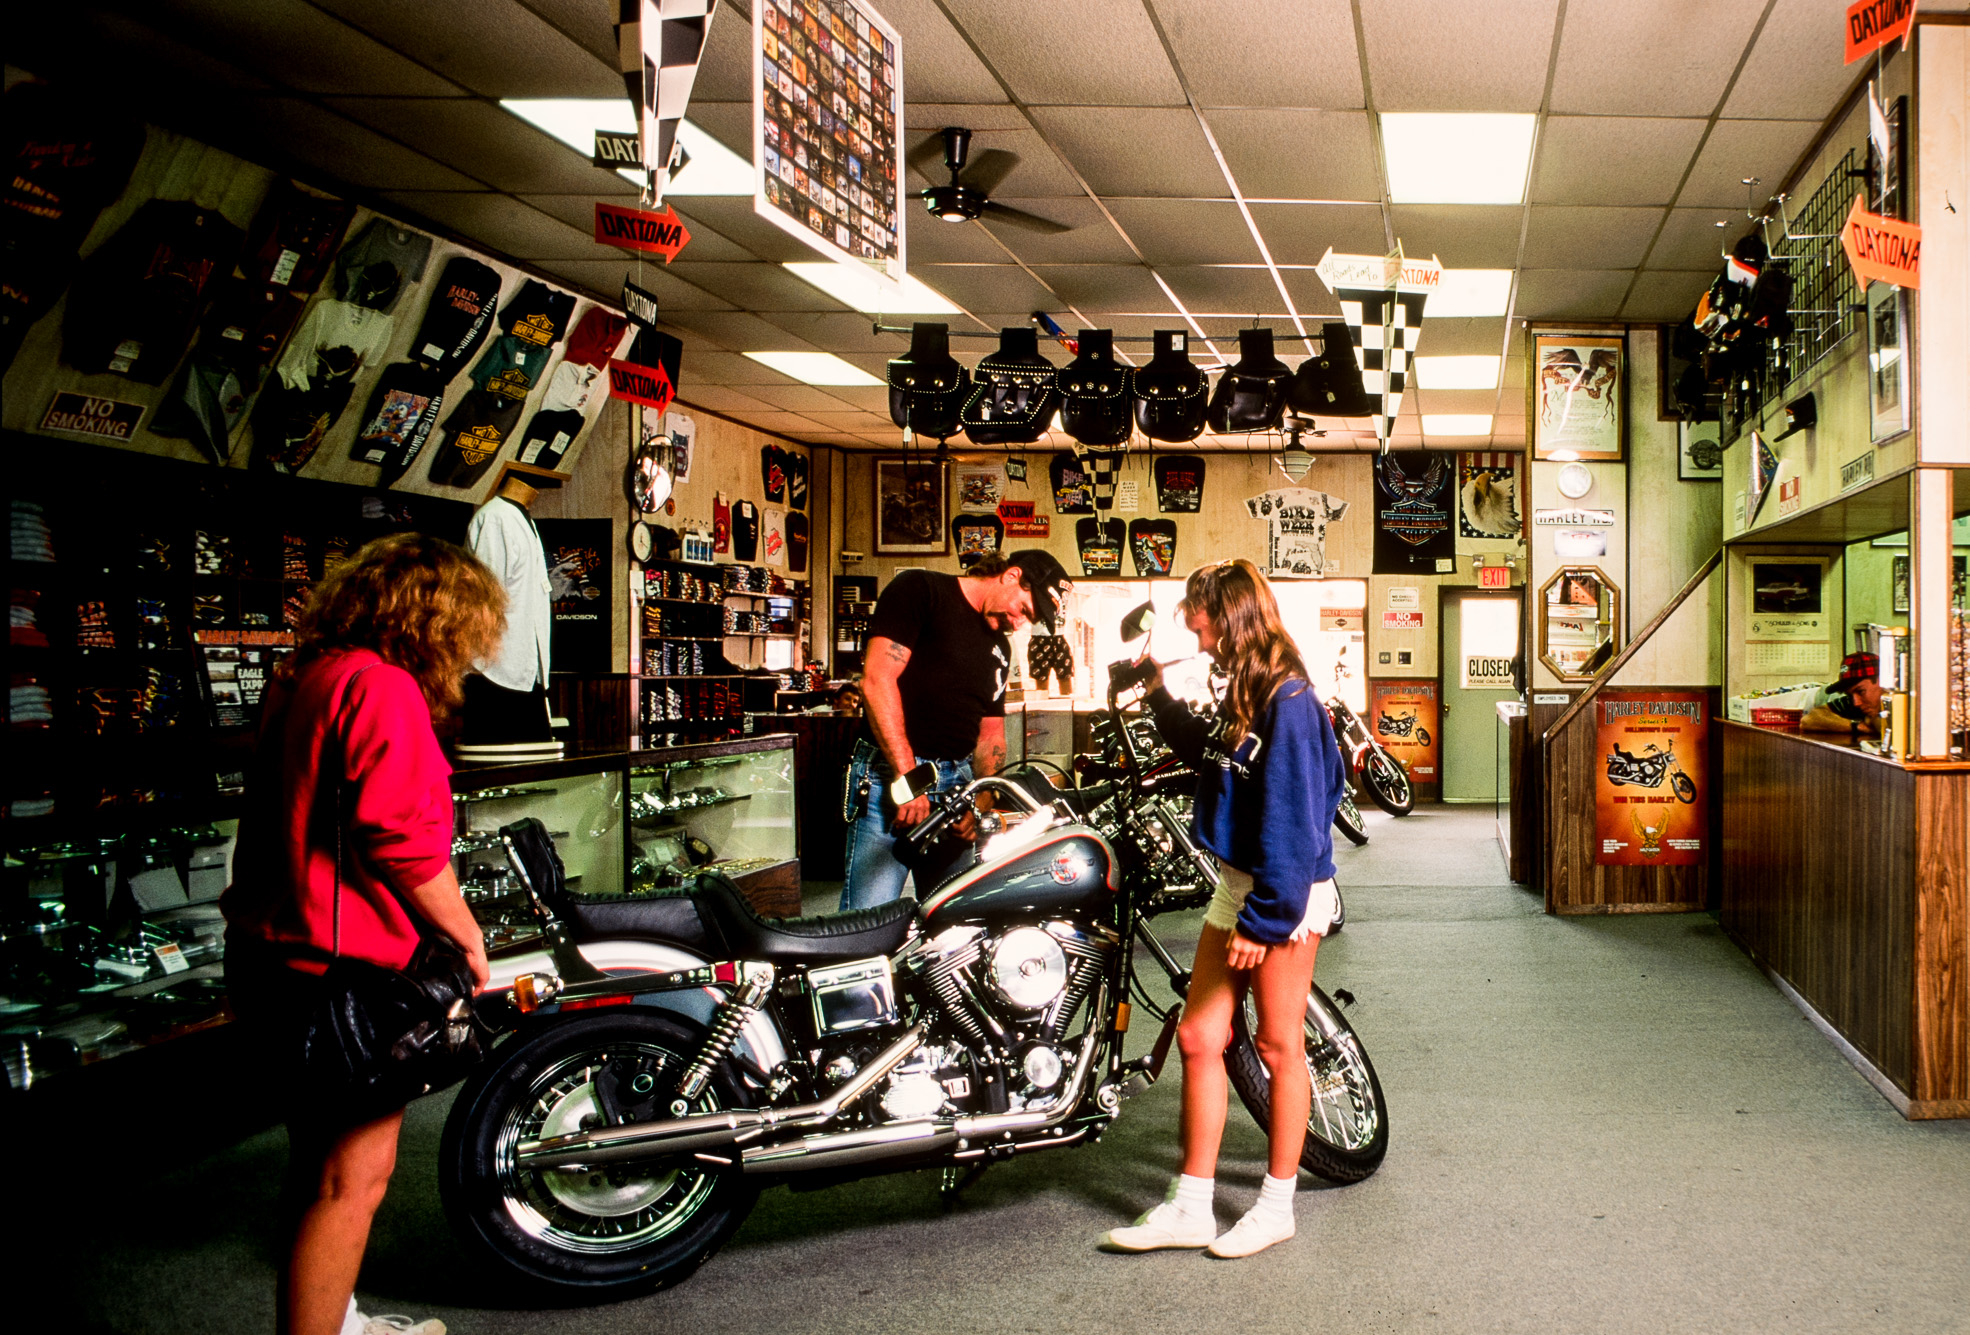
[1267,806]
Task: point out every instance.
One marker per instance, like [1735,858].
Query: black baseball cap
[1046,578]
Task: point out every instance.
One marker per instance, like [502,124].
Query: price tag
[172,958]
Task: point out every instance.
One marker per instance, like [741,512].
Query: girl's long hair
[1253,646]
[423,604]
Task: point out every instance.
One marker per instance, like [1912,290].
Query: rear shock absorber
[755,980]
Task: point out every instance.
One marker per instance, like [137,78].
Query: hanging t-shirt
[383,260]
[478,430]
[537,314]
[1073,485]
[548,436]
[406,401]
[1100,541]
[1415,501]
[773,537]
[137,299]
[745,530]
[796,480]
[292,237]
[459,316]
[975,536]
[333,324]
[510,366]
[1179,483]
[571,386]
[1296,528]
[773,472]
[1153,545]
[796,542]
[597,336]
[721,523]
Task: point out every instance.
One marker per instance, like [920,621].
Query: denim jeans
[872,875]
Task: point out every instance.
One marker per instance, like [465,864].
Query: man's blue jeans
[872,875]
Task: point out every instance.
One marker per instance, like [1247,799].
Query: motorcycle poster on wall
[1403,717]
[1652,755]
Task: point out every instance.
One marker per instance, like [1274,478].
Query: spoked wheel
[1684,786]
[600,1234]
[1422,735]
[1347,819]
[1387,782]
[1347,1130]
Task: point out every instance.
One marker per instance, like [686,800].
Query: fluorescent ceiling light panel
[712,168]
[815,368]
[1456,424]
[1469,293]
[861,288]
[1457,157]
[1457,372]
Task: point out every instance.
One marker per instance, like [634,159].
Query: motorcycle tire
[1340,915]
[1347,819]
[1685,787]
[1387,782]
[1347,1131]
[581,1237]
[1422,736]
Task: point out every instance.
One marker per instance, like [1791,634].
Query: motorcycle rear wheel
[1347,819]
[1387,782]
[1347,1131]
[585,1236]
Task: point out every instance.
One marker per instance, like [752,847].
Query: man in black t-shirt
[935,686]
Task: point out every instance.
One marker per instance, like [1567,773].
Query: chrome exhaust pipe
[707,1131]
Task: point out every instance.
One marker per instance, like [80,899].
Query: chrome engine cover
[1028,968]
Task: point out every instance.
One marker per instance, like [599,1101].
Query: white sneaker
[402,1325]
[1251,1235]
[1168,1225]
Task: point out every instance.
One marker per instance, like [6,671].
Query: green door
[1480,647]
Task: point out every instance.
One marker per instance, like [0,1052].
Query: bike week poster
[1402,716]
[1651,800]
[578,553]
[1415,523]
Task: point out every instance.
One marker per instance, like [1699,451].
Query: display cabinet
[727,807]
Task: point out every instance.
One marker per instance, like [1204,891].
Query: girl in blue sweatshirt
[1270,778]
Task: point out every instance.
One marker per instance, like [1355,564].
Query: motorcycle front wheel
[587,1236]
[1347,1130]
[1347,819]
[1684,786]
[1387,782]
[1422,736]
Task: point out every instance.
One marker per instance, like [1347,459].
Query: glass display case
[579,801]
[721,806]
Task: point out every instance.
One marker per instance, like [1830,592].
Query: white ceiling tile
[934,241]
[1427,56]
[1796,70]
[499,222]
[840,333]
[1090,240]
[737,332]
[1187,231]
[980,287]
[925,117]
[717,398]
[1664,295]
[1157,151]
[303,47]
[494,47]
[1612,159]
[725,68]
[1668,59]
[605,277]
[346,151]
[1460,401]
[1302,233]
[1463,236]
[753,286]
[1306,57]
[1571,294]
[1558,236]
[1047,51]
[1691,238]
[730,123]
[804,399]
[1039,172]
[732,217]
[476,137]
[1098,288]
[865,398]
[1461,337]
[1767,150]
[1239,293]
[938,65]
[1298,154]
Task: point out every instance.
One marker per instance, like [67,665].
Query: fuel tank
[1071,870]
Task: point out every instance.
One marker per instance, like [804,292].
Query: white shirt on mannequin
[501,535]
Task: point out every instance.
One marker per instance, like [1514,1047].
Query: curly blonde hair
[1254,647]
[423,604]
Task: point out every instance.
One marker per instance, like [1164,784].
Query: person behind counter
[345,850]
[1851,704]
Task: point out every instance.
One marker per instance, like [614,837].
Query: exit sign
[1494,577]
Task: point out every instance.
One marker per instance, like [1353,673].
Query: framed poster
[1403,717]
[827,117]
[1887,380]
[909,508]
[580,555]
[1700,451]
[1651,804]
[1579,384]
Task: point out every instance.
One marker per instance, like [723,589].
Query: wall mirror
[1579,608]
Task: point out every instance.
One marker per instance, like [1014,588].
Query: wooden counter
[1844,877]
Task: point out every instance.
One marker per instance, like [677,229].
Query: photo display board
[827,121]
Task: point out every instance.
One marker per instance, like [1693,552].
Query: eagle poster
[1415,523]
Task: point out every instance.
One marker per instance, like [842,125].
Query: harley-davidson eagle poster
[1651,799]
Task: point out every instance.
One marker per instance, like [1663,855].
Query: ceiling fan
[970,200]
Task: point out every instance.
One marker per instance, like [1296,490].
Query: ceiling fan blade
[1029,222]
[989,169]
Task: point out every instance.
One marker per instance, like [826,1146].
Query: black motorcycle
[1403,725]
[1384,777]
[667,1057]
[1649,770]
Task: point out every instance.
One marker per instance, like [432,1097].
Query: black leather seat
[671,918]
[825,939]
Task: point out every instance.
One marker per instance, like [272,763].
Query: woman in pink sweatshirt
[345,849]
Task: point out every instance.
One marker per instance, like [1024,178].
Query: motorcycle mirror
[1138,622]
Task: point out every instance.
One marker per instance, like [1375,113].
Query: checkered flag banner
[1382,300]
[1102,466]
[658,43]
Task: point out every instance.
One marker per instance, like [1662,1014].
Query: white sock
[1192,1195]
[354,1322]
[1276,1197]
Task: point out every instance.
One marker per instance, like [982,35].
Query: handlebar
[948,807]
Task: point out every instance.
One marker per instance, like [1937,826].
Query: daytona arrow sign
[1396,271]
[653,233]
[1872,24]
[647,385]
[1880,249]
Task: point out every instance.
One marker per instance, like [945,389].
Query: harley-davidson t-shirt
[773,472]
[958,664]
[745,530]
[1153,545]
[1100,541]
[721,524]
[796,541]
[1180,484]
[1073,485]
[976,536]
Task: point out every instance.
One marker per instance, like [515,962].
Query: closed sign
[1484,674]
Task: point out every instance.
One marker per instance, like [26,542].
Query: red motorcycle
[1378,772]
